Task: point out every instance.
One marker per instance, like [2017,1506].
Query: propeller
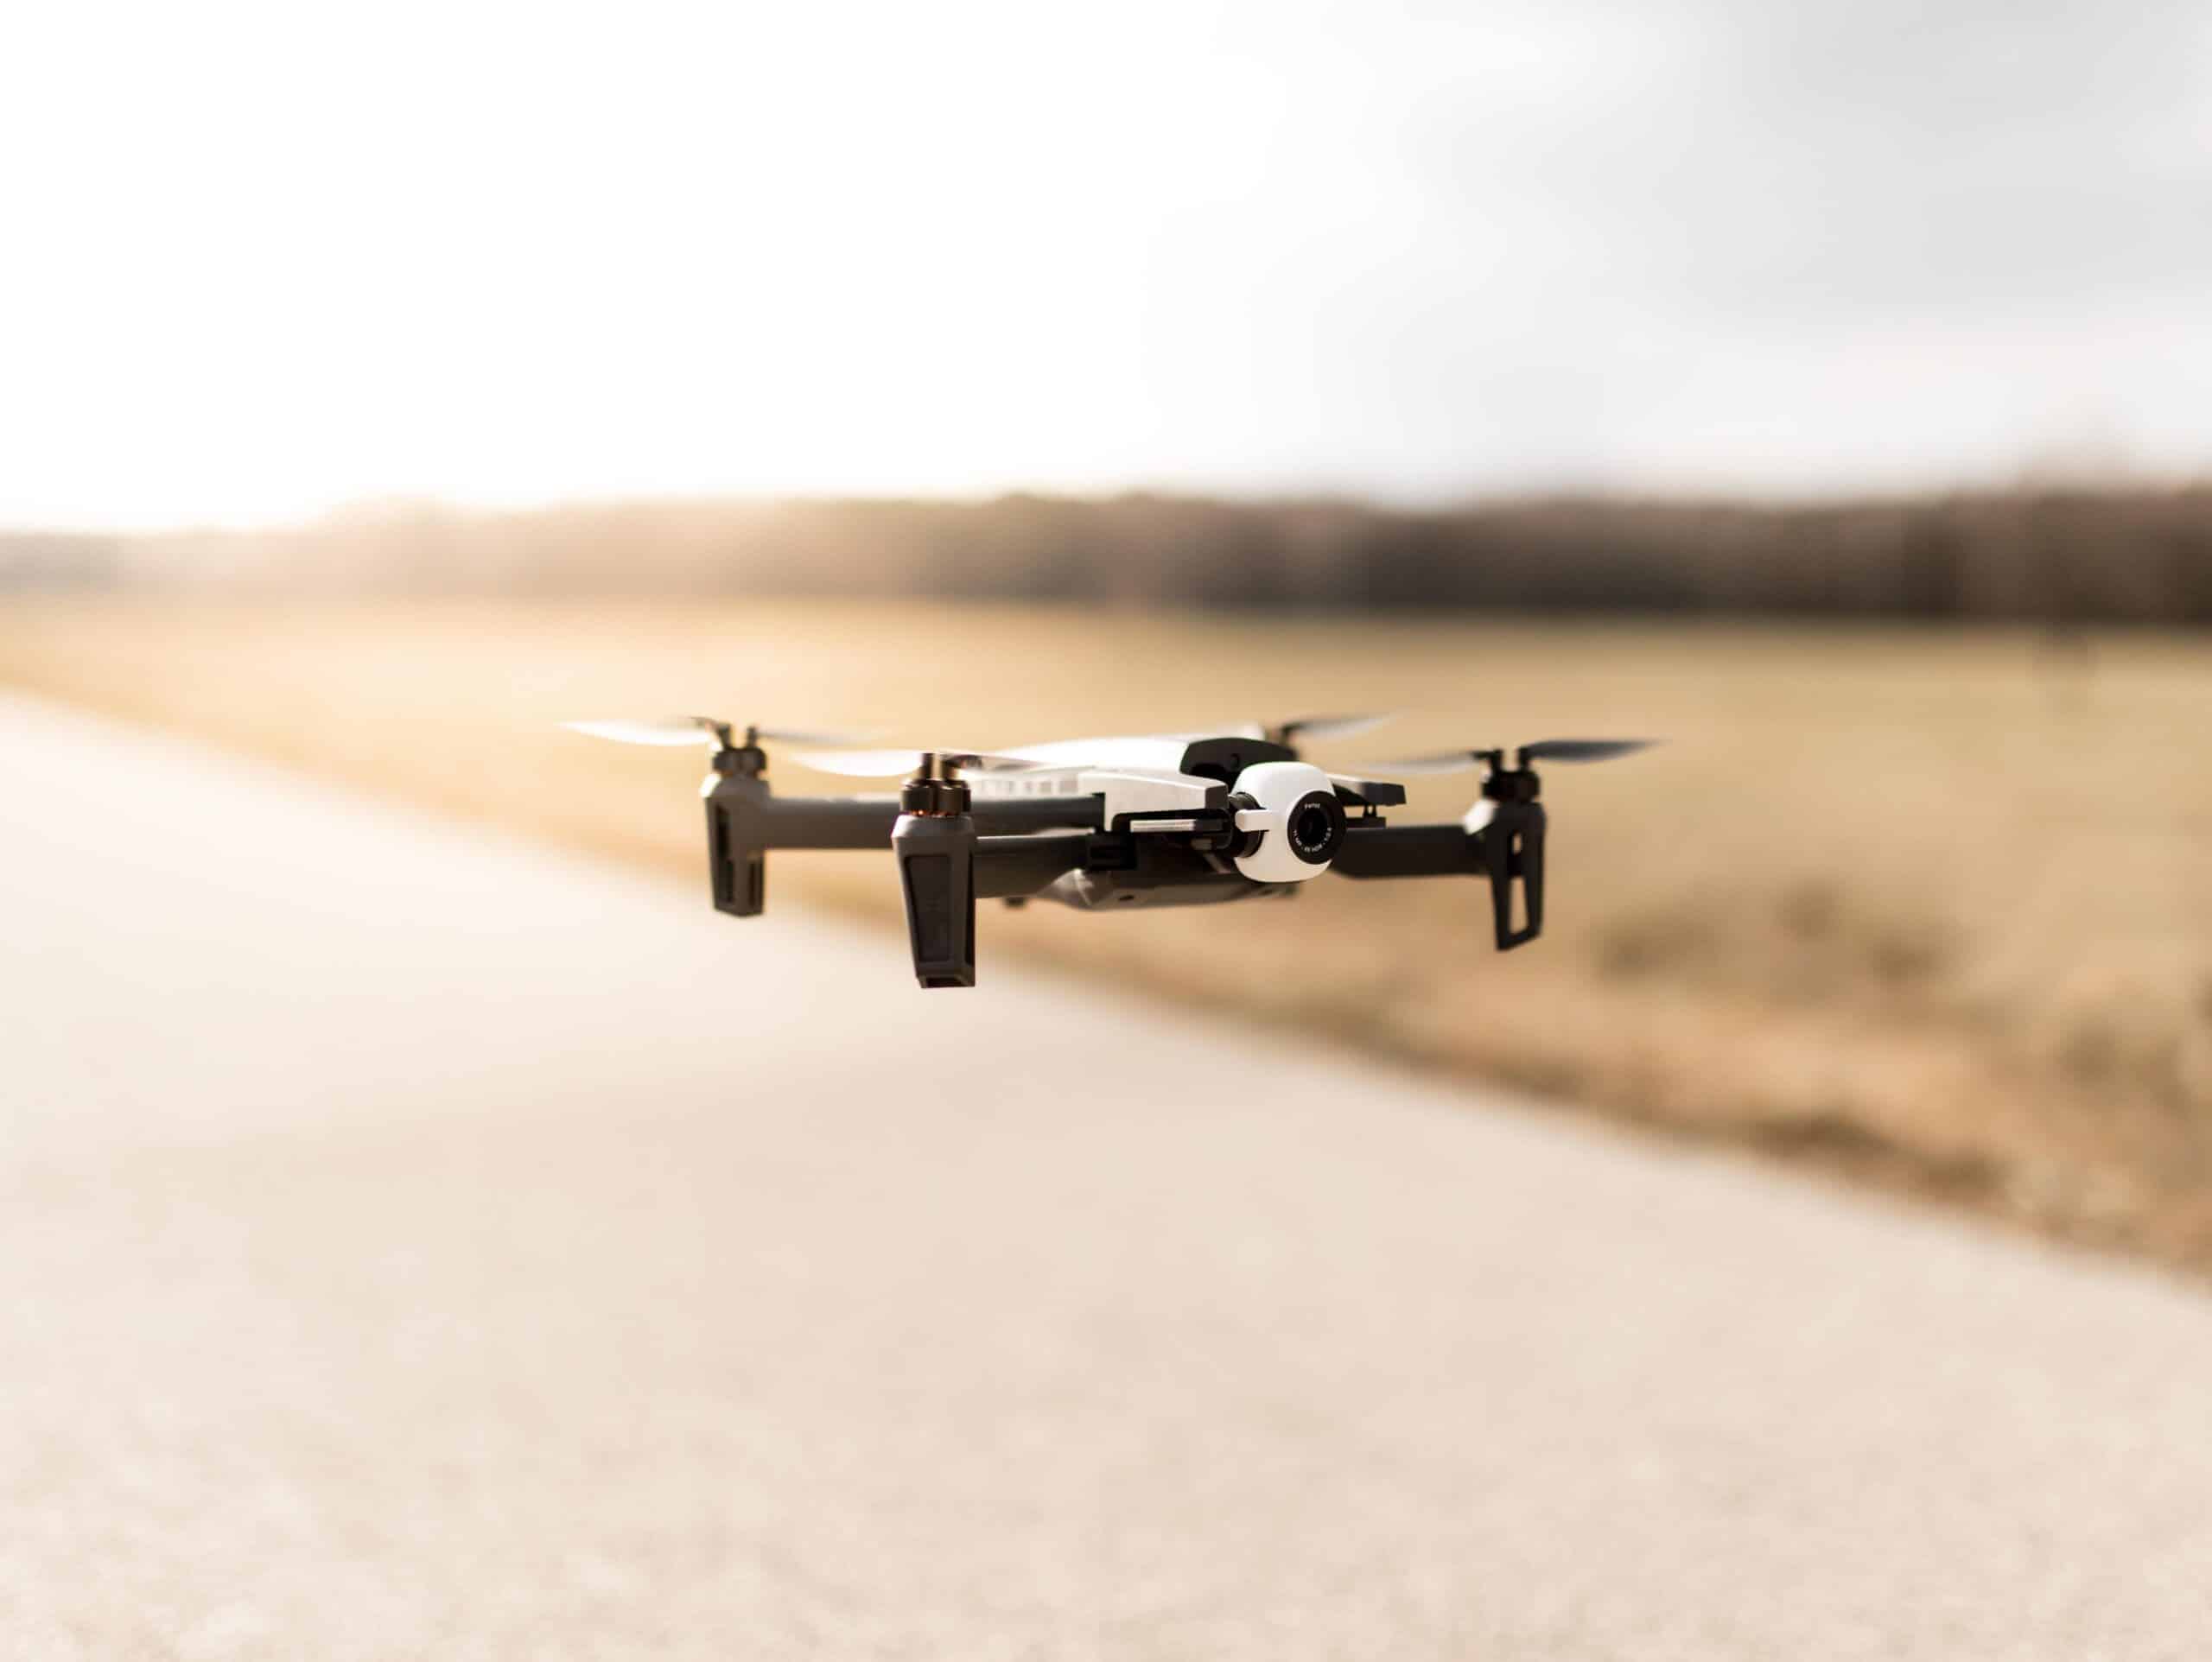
[1582,750]
[1544,750]
[667,730]
[700,730]
[887,763]
[1326,726]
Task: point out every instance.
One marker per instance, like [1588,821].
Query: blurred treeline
[2042,553]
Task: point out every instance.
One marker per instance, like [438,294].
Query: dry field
[1936,910]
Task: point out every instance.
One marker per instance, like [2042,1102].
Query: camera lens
[1315,824]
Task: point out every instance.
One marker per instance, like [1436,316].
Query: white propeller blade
[702,730]
[1544,750]
[810,736]
[669,730]
[887,764]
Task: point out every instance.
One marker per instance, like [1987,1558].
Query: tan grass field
[1934,909]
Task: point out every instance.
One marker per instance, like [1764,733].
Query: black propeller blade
[1325,727]
[1449,761]
[1582,750]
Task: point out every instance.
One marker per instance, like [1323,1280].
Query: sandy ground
[414,1244]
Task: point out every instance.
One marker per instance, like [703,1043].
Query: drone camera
[1293,821]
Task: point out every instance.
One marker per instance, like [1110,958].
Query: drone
[1116,824]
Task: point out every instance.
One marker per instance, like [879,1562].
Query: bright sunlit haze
[269,259]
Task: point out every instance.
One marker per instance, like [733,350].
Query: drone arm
[745,819]
[865,822]
[1015,867]
[1509,849]
[1409,851]
[822,822]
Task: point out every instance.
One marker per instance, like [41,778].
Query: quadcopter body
[1116,823]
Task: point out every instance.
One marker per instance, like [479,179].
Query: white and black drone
[1104,824]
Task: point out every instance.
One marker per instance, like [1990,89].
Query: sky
[261,260]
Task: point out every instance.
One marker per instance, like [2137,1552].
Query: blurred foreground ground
[1933,908]
[415,1243]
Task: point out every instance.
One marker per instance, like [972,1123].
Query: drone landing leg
[737,859]
[1513,848]
[937,866]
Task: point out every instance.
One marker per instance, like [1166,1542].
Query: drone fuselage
[1103,825]
[1286,812]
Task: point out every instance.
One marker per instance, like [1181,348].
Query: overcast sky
[264,259]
